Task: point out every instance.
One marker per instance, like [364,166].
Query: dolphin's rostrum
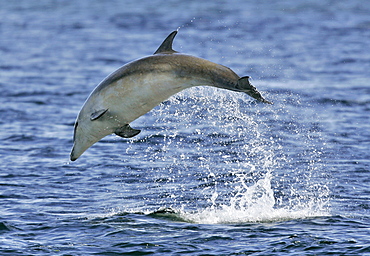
[139,86]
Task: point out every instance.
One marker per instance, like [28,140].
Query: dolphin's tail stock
[245,86]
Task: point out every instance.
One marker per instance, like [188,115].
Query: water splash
[233,161]
[255,203]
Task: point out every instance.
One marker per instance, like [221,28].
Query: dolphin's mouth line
[74,132]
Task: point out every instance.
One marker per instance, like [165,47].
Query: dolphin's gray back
[180,65]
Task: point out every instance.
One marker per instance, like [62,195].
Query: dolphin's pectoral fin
[98,114]
[166,46]
[126,131]
[245,86]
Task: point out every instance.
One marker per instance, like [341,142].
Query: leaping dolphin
[137,87]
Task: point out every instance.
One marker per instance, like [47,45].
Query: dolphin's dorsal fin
[166,46]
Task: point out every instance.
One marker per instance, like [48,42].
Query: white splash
[261,163]
[255,204]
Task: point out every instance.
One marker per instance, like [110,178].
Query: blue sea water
[212,172]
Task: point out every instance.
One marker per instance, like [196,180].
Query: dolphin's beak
[73,155]
[80,145]
[78,149]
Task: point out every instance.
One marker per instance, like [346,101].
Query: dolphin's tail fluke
[245,86]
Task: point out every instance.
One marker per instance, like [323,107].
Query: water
[212,173]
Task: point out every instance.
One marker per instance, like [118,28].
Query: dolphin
[137,87]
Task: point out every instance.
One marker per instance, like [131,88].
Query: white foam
[256,204]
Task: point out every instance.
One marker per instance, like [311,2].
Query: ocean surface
[213,172]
